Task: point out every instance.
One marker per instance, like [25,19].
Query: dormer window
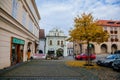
[110,22]
[118,23]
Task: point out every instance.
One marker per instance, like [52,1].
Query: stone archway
[59,52]
[113,48]
[103,48]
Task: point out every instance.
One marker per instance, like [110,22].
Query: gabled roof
[109,23]
[41,34]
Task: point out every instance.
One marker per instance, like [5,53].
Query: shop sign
[18,41]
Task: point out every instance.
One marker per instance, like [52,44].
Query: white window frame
[14,8]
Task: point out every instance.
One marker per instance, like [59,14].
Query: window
[112,36]
[50,42]
[32,10]
[111,22]
[36,31]
[111,28]
[24,17]
[14,8]
[118,22]
[58,42]
[57,34]
[115,30]
[115,36]
[105,28]
[30,26]
[61,43]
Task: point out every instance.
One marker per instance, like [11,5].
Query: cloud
[61,13]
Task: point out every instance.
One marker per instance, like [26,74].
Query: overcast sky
[61,13]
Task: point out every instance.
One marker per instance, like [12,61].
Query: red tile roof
[109,23]
[41,34]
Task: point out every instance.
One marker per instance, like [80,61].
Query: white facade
[55,40]
[19,30]
[42,45]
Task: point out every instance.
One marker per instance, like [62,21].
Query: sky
[61,13]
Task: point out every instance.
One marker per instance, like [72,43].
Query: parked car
[117,52]
[38,56]
[84,56]
[116,65]
[108,60]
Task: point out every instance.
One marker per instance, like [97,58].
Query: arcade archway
[103,48]
[59,52]
[113,48]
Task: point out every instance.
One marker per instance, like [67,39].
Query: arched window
[50,42]
[58,42]
[61,43]
[113,48]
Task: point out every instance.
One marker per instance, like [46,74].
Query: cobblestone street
[47,70]
[56,70]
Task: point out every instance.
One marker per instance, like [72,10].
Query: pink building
[113,43]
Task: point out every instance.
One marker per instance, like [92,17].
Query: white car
[39,56]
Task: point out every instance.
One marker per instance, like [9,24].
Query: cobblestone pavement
[47,70]
[56,70]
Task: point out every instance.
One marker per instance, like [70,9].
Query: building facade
[19,31]
[42,41]
[56,42]
[70,48]
[113,43]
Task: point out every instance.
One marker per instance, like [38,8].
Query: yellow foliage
[86,29]
[81,64]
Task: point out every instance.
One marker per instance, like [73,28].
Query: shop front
[17,48]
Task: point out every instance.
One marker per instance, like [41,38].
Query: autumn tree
[87,30]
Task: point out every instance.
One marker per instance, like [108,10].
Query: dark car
[84,56]
[108,60]
[117,52]
[116,65]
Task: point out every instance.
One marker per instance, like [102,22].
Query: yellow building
[19,31]
[113,43]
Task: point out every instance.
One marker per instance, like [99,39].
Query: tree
[87,30]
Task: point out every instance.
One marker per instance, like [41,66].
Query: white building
[19,31]
[55,42]
[42,41]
